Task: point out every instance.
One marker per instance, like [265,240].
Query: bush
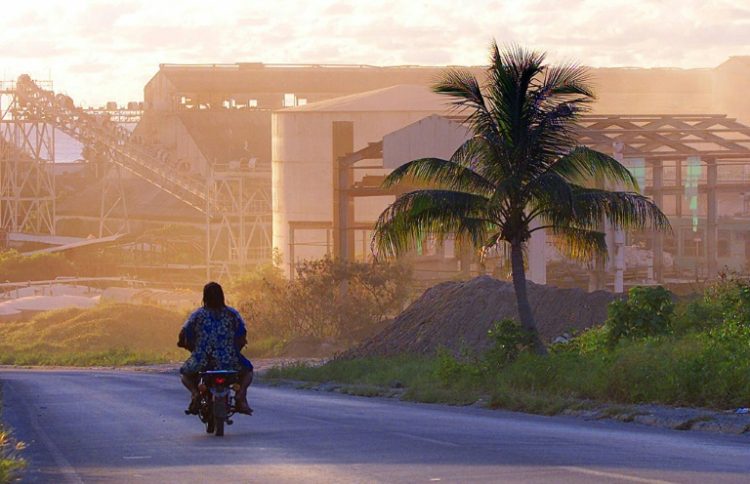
[726,299]
[327,299]
[708,365]
[646,312]
[15,267]
[509,339]
[261,297]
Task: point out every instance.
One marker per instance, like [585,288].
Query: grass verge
[687,371]
[105,335]
[11,463]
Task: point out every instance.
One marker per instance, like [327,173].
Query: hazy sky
[99,50]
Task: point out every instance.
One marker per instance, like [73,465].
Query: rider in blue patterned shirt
[215,334]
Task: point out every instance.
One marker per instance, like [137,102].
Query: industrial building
[228,162]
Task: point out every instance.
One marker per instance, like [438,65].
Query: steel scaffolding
[235,201]
[27,153]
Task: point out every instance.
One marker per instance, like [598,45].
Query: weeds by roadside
[696,355]
[11,463]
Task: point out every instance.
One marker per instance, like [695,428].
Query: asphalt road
[128,426]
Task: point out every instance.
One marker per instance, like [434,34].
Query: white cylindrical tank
[303,159]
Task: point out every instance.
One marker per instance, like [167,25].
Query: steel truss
[238,221]
[712,140]
[27,154]
[236,203]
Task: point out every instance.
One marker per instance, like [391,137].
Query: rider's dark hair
[213,296]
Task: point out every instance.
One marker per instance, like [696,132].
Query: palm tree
[521,165]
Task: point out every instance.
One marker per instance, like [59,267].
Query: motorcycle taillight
[220,380]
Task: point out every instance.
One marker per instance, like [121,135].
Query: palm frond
[579,243]
[622,209]
[584,164]
[442,173]
[467,93]
[415,215]
[549,192]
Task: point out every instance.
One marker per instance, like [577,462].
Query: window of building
[290,100]
[252,103]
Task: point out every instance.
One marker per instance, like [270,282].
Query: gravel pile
[458,314]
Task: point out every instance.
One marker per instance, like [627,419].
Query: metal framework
[235,202]
[663,143]
[119,116]
[666,144]
[27,151]
[238,220]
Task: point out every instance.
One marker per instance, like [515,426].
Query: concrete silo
[302,155]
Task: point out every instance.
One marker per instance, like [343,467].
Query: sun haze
[106,50]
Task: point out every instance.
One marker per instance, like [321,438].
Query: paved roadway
[128,426]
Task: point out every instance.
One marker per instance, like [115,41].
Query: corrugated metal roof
[281,78]
[403,97]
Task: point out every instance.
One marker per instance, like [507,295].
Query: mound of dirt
[459,314]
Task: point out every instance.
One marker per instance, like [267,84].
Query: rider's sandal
[194,405]
[243,408]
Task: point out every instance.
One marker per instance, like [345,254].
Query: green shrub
[451,370]
[646,312]
[727,299]
[314,303]
[590,341]
[509,340]
[16,267]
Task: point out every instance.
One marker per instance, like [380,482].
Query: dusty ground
[456,314]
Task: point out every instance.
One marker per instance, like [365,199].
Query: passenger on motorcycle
[215,334]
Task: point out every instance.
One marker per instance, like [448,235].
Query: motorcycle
[216,402]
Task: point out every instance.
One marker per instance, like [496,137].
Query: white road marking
[614,475]
[426,439]
[136,457]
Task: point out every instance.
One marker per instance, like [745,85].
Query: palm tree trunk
[522,298]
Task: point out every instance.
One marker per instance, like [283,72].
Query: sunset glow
[107,50]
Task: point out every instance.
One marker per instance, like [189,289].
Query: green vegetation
[673,357]
[315,304]
[646,312]
[108,335]
[15,267]
[11,462]
[522,166]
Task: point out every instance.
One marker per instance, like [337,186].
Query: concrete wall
[303,171]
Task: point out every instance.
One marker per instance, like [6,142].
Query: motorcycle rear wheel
[219,415]
[219,425]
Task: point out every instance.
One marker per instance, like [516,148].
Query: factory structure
[228,164]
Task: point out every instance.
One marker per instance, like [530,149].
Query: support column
[658,237]
[679,197]
[343,179]
[616,235]
[711,220]
[292,271]
[536,255]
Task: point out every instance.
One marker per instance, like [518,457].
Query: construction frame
[27,152]
[680,156]
[235,202]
